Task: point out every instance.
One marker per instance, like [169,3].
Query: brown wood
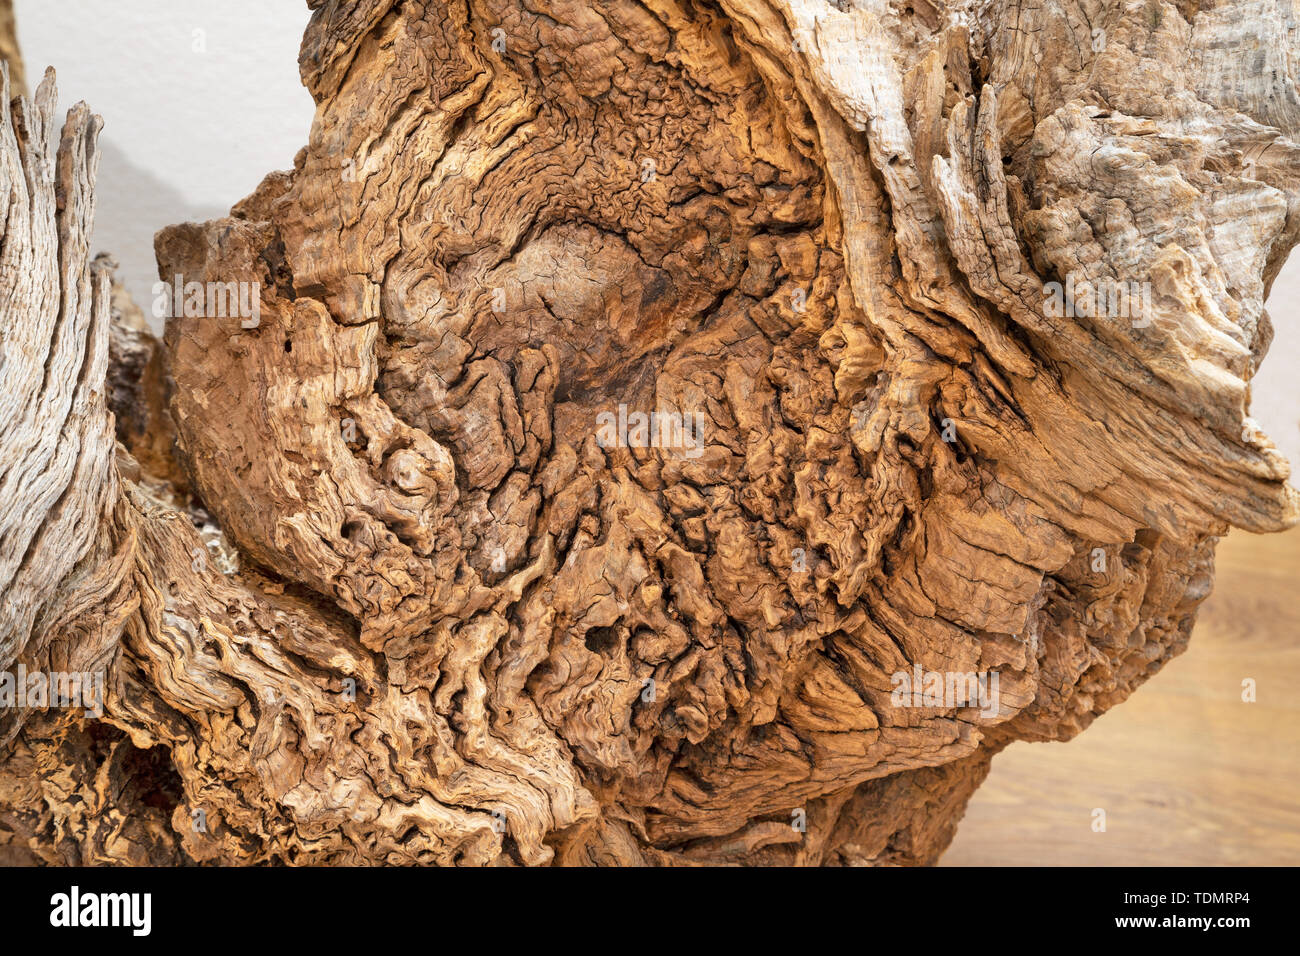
[9,47]
[405,589]
[1188,772]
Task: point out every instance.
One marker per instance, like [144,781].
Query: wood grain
[850,253]
[1188,773]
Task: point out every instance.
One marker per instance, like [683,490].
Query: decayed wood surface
[396,598]
[1191,771]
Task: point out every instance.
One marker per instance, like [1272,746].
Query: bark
[392,595]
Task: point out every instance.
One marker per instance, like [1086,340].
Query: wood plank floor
[1187,773]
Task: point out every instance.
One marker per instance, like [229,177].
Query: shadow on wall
[130,206]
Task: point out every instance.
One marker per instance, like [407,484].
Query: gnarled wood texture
[463,626]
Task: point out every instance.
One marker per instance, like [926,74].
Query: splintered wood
[639,433]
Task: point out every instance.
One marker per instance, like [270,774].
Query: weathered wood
[477,616]
[1191,771]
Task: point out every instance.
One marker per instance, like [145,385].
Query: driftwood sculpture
[638,432]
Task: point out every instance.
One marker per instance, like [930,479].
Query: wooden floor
[1187,773]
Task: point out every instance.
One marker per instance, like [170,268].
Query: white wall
[192,120]
[1275,389]
[189,132]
